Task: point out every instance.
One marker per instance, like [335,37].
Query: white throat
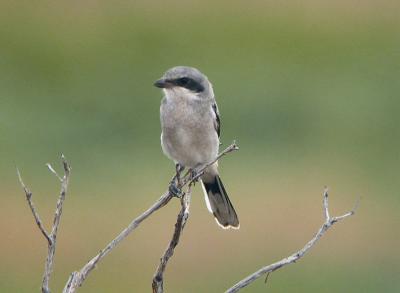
[180,93]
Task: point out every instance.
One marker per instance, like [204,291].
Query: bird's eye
[183,81]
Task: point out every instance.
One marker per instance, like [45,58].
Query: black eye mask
[189,84]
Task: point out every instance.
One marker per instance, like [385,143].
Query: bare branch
[325,203]
[329,221]
[56,223]
[28,195]
[53,171]
[52,237]
[77,278]
[158,279]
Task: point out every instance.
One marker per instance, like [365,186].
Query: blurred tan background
[309,89]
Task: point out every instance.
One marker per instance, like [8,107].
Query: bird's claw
[175,190]
[194,176]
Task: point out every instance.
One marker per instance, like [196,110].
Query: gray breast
[188,134]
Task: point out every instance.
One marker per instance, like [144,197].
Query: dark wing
[217,122]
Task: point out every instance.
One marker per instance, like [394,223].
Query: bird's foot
[174,189]
[194,175]
[179,169]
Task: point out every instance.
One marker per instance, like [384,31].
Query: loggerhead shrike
[190,134]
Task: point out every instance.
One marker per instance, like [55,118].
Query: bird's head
[183,80]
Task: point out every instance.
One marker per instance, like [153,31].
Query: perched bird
[190,134]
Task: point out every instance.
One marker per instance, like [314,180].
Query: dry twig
[158,279]
[77,278]
[52,236]
[329,221]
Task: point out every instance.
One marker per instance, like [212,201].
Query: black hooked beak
[163,83]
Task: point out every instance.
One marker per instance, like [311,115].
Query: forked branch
[52,236]
[329,221]
[77,278]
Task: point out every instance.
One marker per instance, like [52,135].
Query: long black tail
[218,202]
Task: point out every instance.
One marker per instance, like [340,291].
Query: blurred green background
[309,89]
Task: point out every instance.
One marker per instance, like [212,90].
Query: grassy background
[309,89]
